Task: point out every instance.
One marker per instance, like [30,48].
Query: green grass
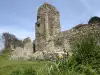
[8,66]
[4,55]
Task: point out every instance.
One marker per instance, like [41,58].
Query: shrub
[94,20]
[87,51]
[85,58]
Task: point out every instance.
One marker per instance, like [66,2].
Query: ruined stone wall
[50,41]
[24,52]
[47,27]
[49,38]
[53,18]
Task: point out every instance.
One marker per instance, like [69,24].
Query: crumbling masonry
[48,30]
[49,39]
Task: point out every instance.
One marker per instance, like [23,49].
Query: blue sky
[19,16]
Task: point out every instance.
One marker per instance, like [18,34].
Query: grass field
[8,66]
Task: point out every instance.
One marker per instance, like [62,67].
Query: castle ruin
[47,28]
[48,35]
[49,39]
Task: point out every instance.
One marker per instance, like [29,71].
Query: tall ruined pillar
[47,26]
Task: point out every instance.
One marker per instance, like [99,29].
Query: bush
[87,51]
[85,58]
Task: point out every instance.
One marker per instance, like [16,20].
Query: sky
[19,16]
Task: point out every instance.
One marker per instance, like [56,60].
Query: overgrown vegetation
[85,60]
[87,52]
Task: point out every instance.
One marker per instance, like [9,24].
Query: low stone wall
[39,55]
[22,52]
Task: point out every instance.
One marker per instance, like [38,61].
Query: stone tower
[47,25]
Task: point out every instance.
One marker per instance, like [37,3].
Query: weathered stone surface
[24,52]
[48,35]
[50,39]
[44,55]
[50,42]
[47,27]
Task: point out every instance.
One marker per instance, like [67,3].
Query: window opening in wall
[38,25]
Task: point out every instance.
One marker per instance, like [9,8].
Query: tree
[10,39]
